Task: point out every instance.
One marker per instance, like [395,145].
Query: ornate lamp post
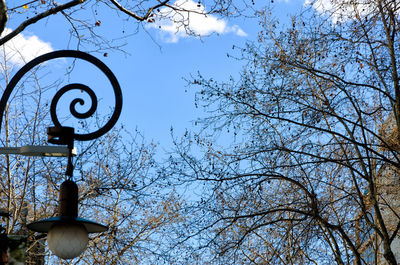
[67,234]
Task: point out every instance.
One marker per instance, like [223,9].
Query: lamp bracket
[61,136]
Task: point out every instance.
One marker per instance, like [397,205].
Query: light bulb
[67,241]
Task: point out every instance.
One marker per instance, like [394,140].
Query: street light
[67,234]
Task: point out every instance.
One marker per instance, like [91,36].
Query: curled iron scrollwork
[72,106]
[79,55]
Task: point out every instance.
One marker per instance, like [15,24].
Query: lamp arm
[79,55]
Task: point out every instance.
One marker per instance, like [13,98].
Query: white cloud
[189,18]
[342,11]
[21,49]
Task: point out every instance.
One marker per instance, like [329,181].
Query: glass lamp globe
[67,241]
[67,234]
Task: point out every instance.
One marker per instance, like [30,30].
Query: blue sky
[151,74]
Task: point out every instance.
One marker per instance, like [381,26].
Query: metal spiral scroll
[80,55]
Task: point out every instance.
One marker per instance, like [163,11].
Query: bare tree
[299,161]
[84,16]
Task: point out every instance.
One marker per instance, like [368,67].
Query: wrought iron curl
[72,106]
[79,55]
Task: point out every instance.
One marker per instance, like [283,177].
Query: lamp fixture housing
[67,234]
